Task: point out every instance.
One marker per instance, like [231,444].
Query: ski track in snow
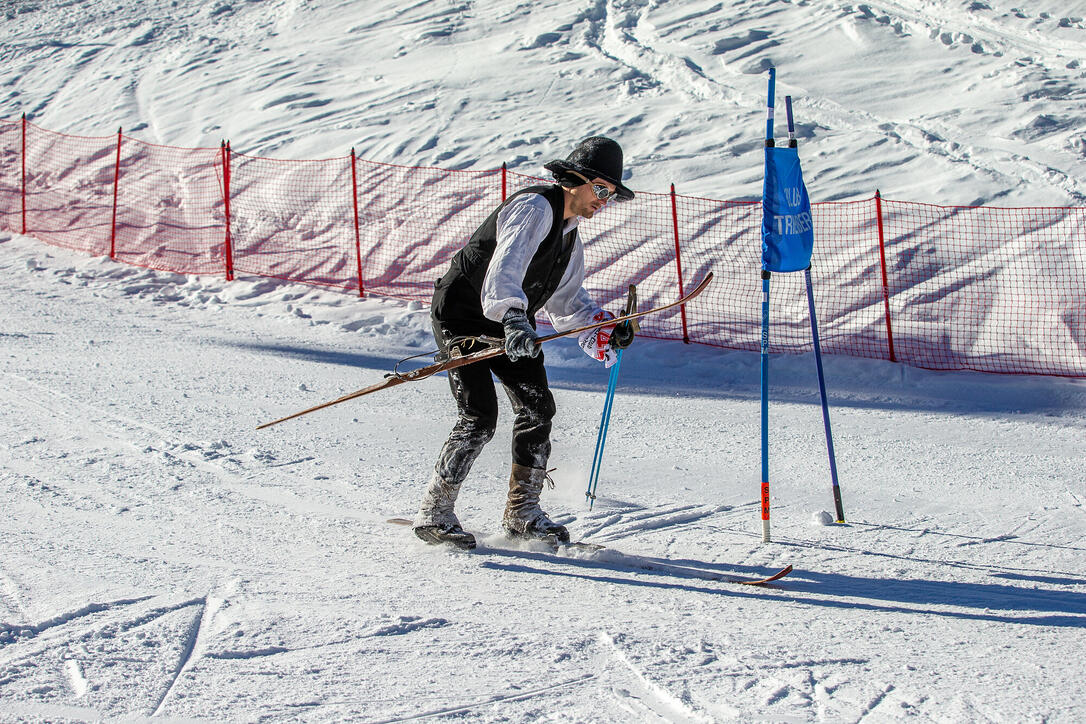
[64,640]
[489,701]
[409,624]
[626,523]
[879,699]
[78,680]
[9,594]
[657,699]
[147,440]
[629,37]
[206,611]
[12,632]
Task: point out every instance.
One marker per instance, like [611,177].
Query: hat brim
[559,167]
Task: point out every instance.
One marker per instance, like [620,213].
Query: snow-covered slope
[161,557]
[946,102]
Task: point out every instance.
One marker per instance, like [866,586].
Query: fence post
[24,174]
[357,236]
[885,282]
[116,182]
[679,262]
[504,173]
[226,208]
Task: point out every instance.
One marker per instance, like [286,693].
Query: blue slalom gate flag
[787,228]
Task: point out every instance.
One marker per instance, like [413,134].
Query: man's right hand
[622,336]
[520,338]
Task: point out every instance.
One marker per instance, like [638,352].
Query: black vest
[457,302]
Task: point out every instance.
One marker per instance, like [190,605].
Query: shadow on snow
[994,602]
[657,369]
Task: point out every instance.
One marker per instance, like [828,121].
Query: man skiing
[525,257]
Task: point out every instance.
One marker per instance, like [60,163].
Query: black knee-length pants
[525,382]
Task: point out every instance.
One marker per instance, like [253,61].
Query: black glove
[622,336]
[520,338]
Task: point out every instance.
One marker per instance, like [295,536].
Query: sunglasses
[602,192]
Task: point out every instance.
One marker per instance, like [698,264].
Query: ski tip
[763,581]
[400,521]
[779,574]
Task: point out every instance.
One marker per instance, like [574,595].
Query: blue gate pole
[765,338]
[825,404]
[818,350]
[765,406]
[601,438]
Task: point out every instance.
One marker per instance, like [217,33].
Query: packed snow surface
[161,558]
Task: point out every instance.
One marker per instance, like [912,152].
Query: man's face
[583,200]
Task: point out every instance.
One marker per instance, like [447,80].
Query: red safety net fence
[940,287]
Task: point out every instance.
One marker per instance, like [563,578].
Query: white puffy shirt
[522,225]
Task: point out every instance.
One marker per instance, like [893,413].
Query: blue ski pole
[601,438]
[818,350]
[605,421]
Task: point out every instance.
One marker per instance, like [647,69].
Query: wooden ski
[393,379]
[592,547]
[761,581]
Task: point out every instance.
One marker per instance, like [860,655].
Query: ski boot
[436,522]
[523,517]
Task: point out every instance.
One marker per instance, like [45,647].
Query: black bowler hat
[595,157]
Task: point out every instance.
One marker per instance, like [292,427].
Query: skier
[525,257]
